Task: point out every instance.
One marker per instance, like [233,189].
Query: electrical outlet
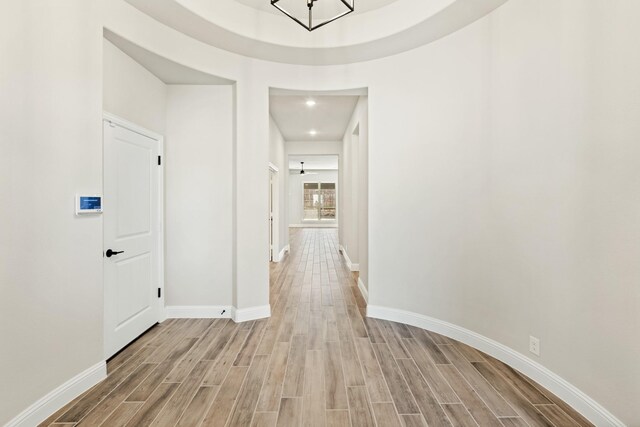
[534,345]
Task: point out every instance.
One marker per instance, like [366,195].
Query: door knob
[111,253]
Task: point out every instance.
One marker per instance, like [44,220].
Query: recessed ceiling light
[310,102]
[313,132]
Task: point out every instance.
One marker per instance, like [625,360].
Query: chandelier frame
[310,27]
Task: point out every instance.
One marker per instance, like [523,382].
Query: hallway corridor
[316,362]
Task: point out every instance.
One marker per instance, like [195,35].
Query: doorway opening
[319,142]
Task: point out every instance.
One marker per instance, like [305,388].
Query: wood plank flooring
[316,362]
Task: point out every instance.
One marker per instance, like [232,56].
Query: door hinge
[159,292]
[159,160]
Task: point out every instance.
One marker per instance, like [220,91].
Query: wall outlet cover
[534,345]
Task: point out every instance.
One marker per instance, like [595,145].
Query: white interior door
[131,235]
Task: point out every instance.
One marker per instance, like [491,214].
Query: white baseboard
[282,253]
[363,290]
[56,399]
[313,225]
[573,396]
[82,382]
[350,265]
[216,312]
[251,313]
[199,311]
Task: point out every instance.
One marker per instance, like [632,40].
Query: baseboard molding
[252,313]
[350,265]
[216,312]
[363,290]
[282,253]
[199,311]
[573,396]
[313,225]
[56,399]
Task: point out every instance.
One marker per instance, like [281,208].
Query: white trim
[274,211]
[216,312]
[162,315]
[56,399]
[350,265]
[363,290]
[252,313]
[570,394]
[282,253]
[112,118]
[314,225]
[199,311]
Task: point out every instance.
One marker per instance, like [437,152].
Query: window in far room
[319,201]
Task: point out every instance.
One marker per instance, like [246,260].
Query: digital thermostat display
[88,204]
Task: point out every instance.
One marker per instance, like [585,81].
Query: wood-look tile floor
[316,362]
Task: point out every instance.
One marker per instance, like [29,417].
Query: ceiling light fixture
[313,132]
[348,4]
[310,103]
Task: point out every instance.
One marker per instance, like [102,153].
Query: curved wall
[503,183]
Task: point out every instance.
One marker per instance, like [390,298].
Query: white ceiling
[314,162]
[168,71]
[321,10]
[329,117]
[380,28]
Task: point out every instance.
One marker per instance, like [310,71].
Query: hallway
[316,362]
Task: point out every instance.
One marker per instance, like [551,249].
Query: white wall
[348,233]
[355,221]
[278,157]
[198,195]
[517,157]
[361,116]
[132,92]
[514,141]
[50,149]
[316,147]
[295,192]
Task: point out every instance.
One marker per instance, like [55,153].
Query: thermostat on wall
[88,204]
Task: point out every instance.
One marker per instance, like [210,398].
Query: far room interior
[313,191]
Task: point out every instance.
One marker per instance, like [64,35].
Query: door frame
[274,194]
[119,121]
